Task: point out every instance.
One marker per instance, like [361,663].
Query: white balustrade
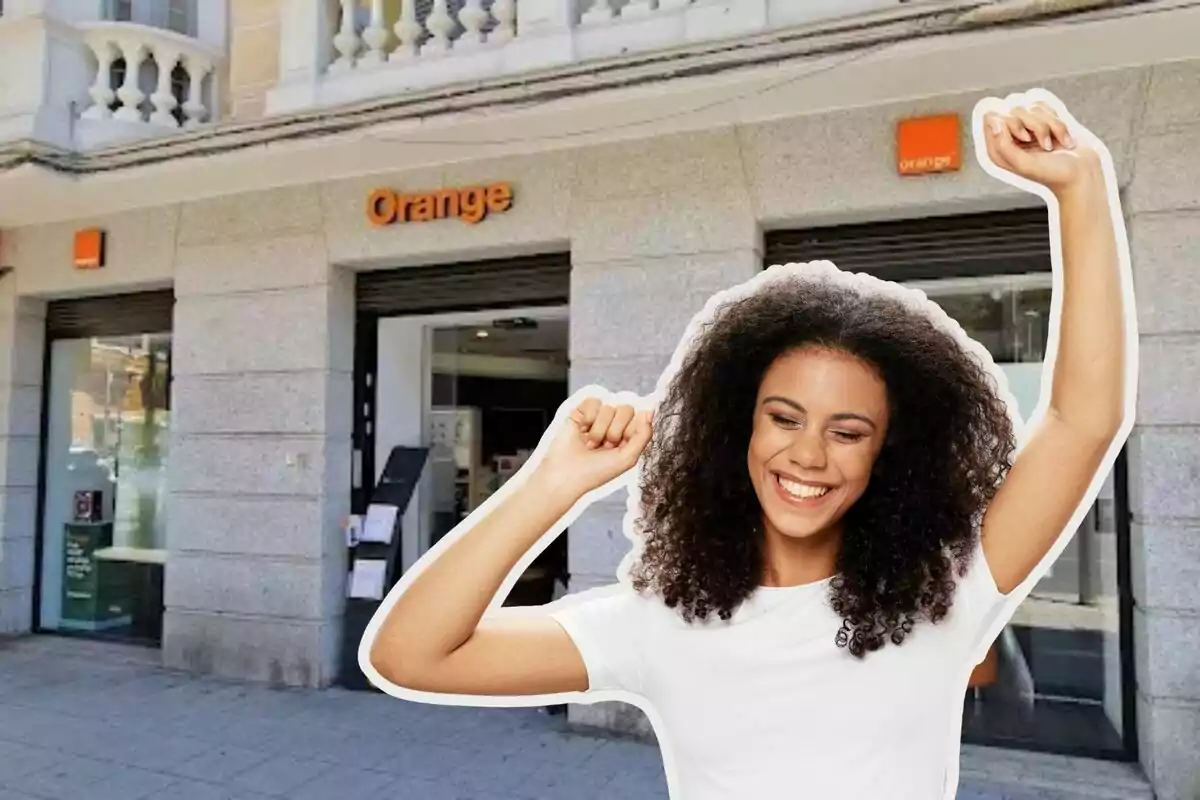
[376,35]
[505,12]
[473,17]
[600,11]
[413,45]
[346,42]
[148,95]
[446,27]
[409,31]
[365,37]
[440,26]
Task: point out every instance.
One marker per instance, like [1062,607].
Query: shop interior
[104,519]
[489,384]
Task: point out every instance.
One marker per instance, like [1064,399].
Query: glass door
[104,518]
[1053,679]
[497,381]
[454,433]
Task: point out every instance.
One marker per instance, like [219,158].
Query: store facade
[313,328]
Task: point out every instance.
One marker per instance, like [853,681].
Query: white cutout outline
[822,271]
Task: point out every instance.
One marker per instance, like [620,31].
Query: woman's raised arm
[435,639]
[1086,404]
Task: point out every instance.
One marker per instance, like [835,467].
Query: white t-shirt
[767,706]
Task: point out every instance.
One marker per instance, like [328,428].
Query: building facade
[234,283]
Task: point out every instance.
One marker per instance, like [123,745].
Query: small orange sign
[471,204]
[928,144]
[89,249]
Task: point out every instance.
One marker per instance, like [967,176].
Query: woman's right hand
[595,445]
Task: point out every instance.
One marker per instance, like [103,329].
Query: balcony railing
[380,47]
[429,31]
[145,81]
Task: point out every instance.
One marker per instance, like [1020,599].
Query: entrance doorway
[479,389]
[470,361]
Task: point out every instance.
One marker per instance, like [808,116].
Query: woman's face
[819,424]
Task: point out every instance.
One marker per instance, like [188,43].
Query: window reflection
[104,525]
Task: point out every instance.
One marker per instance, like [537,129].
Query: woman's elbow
[391,666]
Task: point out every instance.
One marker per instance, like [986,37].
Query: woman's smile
[804,495]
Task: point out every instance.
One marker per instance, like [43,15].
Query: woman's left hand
[1034,143]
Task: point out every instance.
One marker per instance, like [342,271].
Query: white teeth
[802,490]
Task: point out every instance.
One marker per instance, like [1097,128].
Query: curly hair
[949,446]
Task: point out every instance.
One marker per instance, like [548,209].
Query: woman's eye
[848,436]
[784,422]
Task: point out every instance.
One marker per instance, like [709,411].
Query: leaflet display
[374,541]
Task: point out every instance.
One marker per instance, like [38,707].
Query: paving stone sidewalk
[89,721]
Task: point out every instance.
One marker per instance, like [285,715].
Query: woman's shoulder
[616,602]
[978,603]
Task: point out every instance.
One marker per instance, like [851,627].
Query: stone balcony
[336,52]
[144,81]
[79,84]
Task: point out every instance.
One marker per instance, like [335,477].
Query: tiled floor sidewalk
[86,721]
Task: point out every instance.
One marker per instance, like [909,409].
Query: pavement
[84,720]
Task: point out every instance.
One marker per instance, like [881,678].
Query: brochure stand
[375,549]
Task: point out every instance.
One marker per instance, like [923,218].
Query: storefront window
[104,525]
[1053,678]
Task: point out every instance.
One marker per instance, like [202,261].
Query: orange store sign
[928,144]
[88,252]
[471,204]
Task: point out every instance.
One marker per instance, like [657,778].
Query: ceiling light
[516,323]
[481,334]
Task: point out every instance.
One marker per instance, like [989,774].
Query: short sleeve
[979,602]
[606,626]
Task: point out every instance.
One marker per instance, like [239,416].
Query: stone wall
[260,458]
[22,337]
[1163,206]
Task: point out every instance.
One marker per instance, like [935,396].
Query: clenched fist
[1033,142]
[598,443]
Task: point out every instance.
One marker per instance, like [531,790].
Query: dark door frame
[497,284]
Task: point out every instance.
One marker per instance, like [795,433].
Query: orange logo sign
[471,205]
[928,144]
[89,249]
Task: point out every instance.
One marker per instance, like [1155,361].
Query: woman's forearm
[1088,389]
[443,606]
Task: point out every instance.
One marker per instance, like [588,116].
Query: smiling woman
[850,392]
[805,624]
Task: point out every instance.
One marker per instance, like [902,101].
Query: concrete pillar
[306,29]
[254,49]
[261,448]
[22,337]
[1164,205]
[657,228]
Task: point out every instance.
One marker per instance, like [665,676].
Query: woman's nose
[808,451]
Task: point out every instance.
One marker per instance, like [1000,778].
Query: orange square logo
[89,249]
[928,144]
